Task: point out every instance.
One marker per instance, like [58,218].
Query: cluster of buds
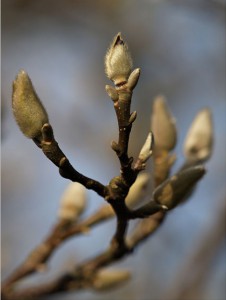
[126,191]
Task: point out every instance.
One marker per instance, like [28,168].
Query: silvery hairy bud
[28,110]
[118,62]
[175,189]
[73,202]
[199,141]
[107,279]
[163,125]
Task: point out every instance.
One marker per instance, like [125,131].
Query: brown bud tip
[28,110]
[118,62]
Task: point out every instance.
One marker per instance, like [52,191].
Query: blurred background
[180,48]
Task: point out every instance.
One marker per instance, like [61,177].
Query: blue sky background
[180,48]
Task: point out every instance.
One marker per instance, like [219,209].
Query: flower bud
[175,189]
[73,202]
[138,190]
[199,141]
[163,125]
[118,62]
[107,279]
[28,110]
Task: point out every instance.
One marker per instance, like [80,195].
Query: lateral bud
[115,147]
[132,117]
[173,191]
[146,150]
[133,79]
[112,93]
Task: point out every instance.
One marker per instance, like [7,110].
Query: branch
[53,152]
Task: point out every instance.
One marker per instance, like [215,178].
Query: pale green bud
[28,110]
[199,140]
[118,62]
[73,202]
[107,279]
[163,125]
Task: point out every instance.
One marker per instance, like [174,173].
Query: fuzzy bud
[107,279]
[118,62]
[138,190]
[199,141]
[28,110]
[163,125]
[175,189]
[73,202]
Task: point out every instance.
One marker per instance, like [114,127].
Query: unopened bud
[175,189]
[163,125]
[28,110]
[138,190]
[199,141]
[118,62]
[73,202]
[107,279]
[146,150]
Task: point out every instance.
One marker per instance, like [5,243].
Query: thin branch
[53,152]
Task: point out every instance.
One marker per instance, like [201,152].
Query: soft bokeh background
[180,47]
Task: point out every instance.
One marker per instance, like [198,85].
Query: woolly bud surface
[163,125]
[199,140]
[138,190]
[107,279]
[118,62]
[73,202]
[28,110]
